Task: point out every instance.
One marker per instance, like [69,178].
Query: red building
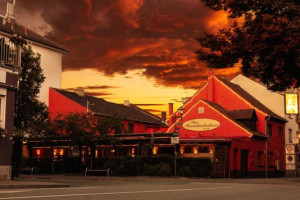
[138,120]
[142,126]
[225,123]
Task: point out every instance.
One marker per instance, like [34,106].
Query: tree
[88,130]
[30,113]
[266,43]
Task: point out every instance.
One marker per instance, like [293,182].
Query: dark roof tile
[243,114]
[104,108]
[19,30]
[251,99]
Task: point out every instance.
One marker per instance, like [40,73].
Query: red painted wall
[216,91]
[59,104]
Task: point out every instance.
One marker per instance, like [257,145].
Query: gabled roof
[19,30]
[225,112]
[108,109]
[243,114]
[251,99]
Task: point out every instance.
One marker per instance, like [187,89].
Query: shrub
[185,171]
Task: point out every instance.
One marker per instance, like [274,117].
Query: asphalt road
[162,188]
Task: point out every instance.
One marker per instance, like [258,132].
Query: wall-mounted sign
[290,167]
[289,149]
[290,159]
[291,103]
[201,124]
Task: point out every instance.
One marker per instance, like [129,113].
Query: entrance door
[235,159]
[244,163]
[221,165]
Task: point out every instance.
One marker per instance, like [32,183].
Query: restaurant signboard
[201,124]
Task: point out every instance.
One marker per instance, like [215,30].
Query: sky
[136,50]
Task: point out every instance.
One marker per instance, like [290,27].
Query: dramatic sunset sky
[138,50]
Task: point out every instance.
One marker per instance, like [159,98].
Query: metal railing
[10,53]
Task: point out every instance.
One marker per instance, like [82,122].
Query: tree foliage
[266,43]
[85,129]
[30,113]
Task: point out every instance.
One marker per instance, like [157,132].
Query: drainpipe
[266,147]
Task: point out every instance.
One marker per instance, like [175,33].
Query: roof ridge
[145,111]
[31,35]
[254,102]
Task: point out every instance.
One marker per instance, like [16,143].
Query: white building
[274,101]
[51,52]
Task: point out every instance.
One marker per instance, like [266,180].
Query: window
[130,127]
[269,130]
[2,111]
[290,136]
[259,158]
[270,158]
[279,132]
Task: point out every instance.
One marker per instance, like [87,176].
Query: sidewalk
[23,183]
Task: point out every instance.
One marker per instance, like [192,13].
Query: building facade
[223,122]
[10,60]
[51,52]
[274,101]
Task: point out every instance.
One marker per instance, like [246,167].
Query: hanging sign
[291,103]
[201,124]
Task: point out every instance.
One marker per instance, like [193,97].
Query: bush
[127,166]
[185,171]
[162,169]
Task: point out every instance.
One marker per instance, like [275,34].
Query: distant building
[226,124]
[274,101]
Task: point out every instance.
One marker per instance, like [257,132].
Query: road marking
[114,193]
[11,191]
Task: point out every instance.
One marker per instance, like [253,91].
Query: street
[162,188]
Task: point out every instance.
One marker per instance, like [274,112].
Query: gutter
[266,146]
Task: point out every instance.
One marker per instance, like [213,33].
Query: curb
[32,186]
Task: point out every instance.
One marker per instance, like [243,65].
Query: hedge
[126,166]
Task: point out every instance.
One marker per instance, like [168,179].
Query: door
[244,163]
[221,165]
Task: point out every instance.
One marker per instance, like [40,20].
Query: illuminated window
[195,150]
[155,150]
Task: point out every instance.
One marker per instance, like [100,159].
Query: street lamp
[175,135]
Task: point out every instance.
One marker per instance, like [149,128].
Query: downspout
[266,147]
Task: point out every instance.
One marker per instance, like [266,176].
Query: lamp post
[175,136]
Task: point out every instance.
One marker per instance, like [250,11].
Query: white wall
[51,63]
[273,100]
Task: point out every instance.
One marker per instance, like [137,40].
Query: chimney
[10,12]
[80,92]
[170,109]
[163,116]
[171,118]
[126,103]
